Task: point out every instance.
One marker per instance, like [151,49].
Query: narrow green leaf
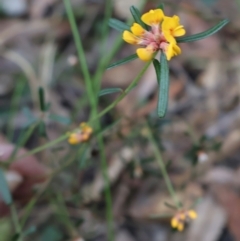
[161,6]
[4,190]
[163,87]
[137,16]
[156,65]
[204,34]
[109,91]
[118,25]
[123,61]
[41,99]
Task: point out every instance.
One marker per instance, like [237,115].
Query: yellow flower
[172,50]
[161,35]
[171,28]
[137,29]
[145,54]
[153,17]
[192,214]
[83,134]
[181,218]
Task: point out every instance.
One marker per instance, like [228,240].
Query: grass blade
[163,87]
[204,34]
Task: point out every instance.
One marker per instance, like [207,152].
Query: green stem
[45,146]
[162,168]
[124,93]
[103,112]
[107,189]
[93,102]
[15,221]
[81,55]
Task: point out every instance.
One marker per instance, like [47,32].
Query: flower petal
[169,37]
[169,23]
[129,37]
[73,139]
[174,222]
[179,31]
[176,49]
[137,29]
[192,214]
[180,226]
[169,52]
[172,50]
[153,17]
[171,26]
[145,54]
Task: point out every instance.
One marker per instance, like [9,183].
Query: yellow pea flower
[83,134]
[182,217]
[171,28]
[160,36]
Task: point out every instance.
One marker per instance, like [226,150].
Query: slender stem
[124,93]
[93,102]
[107,190]
[103,112]
[45,146]
[162,168]
[107,54]
[80,52]
[16,223]
[97,117]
